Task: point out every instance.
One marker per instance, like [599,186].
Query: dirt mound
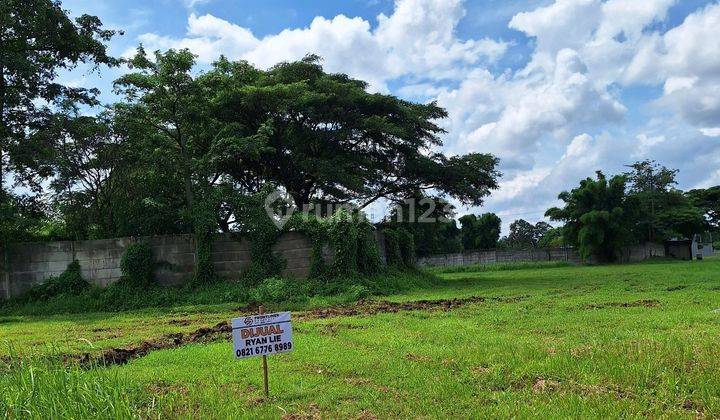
[223,330]
[119,356]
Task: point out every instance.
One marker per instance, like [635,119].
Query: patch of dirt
[480,370]
[312,413]
[545,385]
[332,329]
[693,406]
[182,322]
[223,330]
[674,288]
[417,358]
[373,307]
[164,388]
[358,381]
[120,356]
[256,400]
[581,351]
[366,415]
[647,303]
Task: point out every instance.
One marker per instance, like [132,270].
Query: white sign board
[262,335]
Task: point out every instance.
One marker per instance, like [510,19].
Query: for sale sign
[262,335]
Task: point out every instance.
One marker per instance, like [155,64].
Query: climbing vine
[343,244]
[399,247]
[347,236]
[262,234]
[204,224]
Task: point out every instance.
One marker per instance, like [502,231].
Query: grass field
[638,340]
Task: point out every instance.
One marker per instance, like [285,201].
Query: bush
[137,265]
[278,289]
[358,292]
[393,251]
[70,282]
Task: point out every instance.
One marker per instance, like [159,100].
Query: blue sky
[556,88]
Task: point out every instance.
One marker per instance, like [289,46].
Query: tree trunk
[3,129]
[189,196]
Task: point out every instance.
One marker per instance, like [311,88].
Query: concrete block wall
[33,263]
[641,252]
[29,264]
[633,253]
[498,256]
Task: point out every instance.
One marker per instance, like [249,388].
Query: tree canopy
[480,232]
[598,216]
[324,138]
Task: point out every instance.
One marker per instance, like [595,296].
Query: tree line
[599,217]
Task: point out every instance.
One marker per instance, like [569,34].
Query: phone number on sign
[249,351]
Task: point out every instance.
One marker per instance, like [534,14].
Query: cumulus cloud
[686,60]
[208,37]
[418,39]
[528,109]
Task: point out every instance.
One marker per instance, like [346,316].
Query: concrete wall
[631,254]
[493,256]
[28,264]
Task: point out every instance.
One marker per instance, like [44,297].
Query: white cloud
[208,37]
[711,131]
[418,40]
[687,60]
[527,109]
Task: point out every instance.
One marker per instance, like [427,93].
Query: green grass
[604,341]
[292,294]
[41,390]
[502,266]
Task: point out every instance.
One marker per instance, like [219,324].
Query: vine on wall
[399,247]
[349,238]
[205,225]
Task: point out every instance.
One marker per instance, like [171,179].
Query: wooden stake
[261,311]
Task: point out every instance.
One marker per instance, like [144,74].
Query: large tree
[480,232]
[37,40]
[649,182]
[163,94]
[708,201]
[325,138]
[525,235]
[598,215]
[665,212]
[429,220]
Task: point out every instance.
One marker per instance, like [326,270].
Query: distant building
[679,248]
[702,245]
[688,249]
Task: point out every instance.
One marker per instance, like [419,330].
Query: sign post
[262,335]
[261,311]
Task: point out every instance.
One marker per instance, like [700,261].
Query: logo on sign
[248,320]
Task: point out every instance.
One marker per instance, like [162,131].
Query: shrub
[70,282]
[406,242]
[273,289]
[136,265]
[358,292]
